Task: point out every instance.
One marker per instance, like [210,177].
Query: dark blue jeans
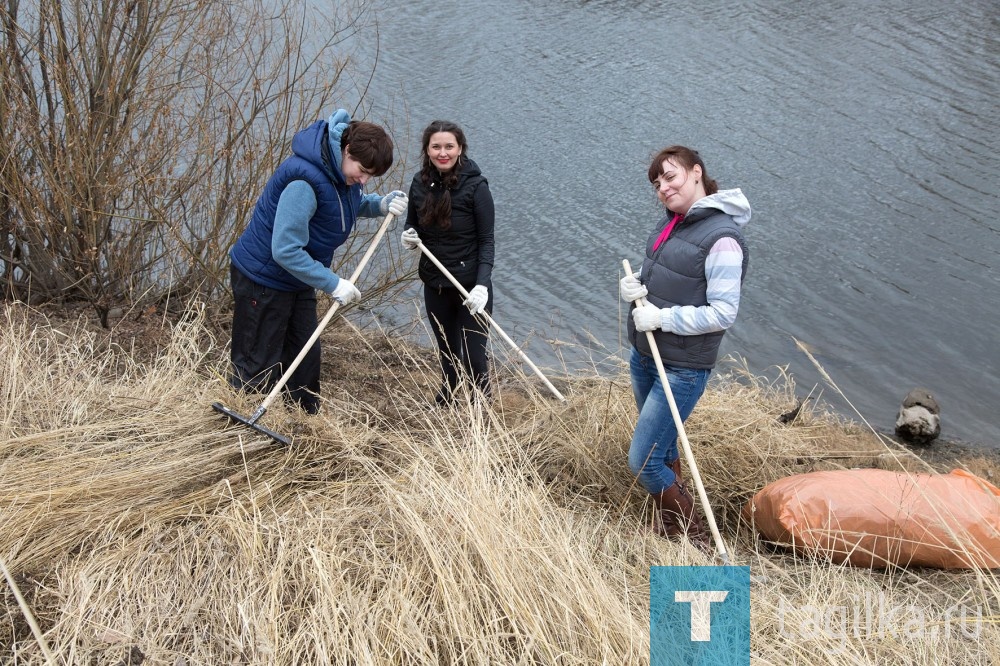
[654,441]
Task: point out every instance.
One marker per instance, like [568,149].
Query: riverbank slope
[136,524]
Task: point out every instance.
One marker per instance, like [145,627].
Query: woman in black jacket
[451,212]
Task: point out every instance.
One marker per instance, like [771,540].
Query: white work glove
[410,239]
[477,299]
[631,289]
[647,318]
[395,202]
[345,292]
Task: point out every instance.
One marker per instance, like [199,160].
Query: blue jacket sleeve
[296,206]
[371,206]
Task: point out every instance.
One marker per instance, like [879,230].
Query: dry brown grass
[136,525]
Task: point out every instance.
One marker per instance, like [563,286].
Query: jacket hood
[336,124]
[731,202]
[469,169]
[315,144]
[310,144]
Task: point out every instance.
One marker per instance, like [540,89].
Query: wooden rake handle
[485,315]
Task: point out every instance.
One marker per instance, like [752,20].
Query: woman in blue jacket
[306,211]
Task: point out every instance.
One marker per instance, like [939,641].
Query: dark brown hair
[436,208]
[682,157]
[369,145]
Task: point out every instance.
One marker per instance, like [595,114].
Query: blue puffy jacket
[337,207]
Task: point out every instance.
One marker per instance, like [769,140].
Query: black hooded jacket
[466,248]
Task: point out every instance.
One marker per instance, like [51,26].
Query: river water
[863,133]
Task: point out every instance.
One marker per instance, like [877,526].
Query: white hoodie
[723,271]
[730,202]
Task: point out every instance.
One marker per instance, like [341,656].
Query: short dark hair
[369,145]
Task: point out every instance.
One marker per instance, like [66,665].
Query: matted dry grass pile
[140,529]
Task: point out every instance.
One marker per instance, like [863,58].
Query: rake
[489,320]
[252,420]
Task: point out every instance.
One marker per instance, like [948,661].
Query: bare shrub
[135,136]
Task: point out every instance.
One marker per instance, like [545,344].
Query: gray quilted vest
[677,277]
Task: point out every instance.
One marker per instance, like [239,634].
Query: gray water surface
[864,135]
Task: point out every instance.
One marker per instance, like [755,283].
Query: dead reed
[135,524]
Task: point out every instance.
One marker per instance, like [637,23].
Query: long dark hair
[683,157]
[436,207]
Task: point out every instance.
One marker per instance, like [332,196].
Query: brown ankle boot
[664,522]
[676,467]
[667,526]
[678,516]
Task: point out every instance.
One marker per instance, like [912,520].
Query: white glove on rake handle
[345,292]
[631,289]
[410,239]
[647,318]
[395,202]
[477,300]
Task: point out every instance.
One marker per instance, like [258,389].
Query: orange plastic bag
[876,518]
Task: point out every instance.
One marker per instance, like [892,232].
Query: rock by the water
[919,418]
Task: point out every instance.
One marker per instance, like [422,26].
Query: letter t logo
[701,610]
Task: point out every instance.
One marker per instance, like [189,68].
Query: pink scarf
[666,231]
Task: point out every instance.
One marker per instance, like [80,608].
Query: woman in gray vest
[696,259]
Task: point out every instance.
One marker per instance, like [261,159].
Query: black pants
[461,338]
[270,328]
